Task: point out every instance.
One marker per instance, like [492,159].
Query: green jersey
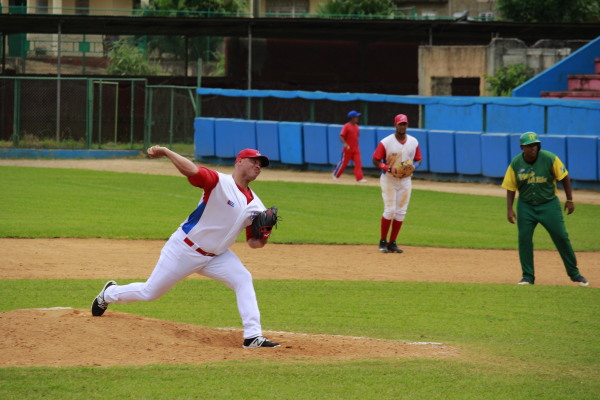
[536,182]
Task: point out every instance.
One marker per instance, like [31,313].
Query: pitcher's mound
[72,337]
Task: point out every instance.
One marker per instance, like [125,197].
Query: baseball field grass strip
[79,203]
[515,342]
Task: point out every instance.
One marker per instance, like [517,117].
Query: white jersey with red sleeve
[224,211]
[389,148]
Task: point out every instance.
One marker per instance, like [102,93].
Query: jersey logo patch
[230,203]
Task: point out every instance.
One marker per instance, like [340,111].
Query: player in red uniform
[351,152]
[395,191]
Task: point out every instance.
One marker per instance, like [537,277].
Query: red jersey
[350,132]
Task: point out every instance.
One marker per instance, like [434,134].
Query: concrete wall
[449,62]
[436,62]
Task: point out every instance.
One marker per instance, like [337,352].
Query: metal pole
[172,106]
[116,109]
[131,115]
[198,85]
[90,114]
[4,36]
[100,114]
[249,99]
[58,84]
[185,61]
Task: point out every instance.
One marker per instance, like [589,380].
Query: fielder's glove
[263,223]
[402,169]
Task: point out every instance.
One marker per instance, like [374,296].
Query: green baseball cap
[528,138]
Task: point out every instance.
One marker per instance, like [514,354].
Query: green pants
[551,217]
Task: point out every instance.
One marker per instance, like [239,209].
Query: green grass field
[515,343]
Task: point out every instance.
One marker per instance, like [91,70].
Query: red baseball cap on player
[251,153]
[400,118]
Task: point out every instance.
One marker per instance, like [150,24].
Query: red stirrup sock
[396,225]
[385,227]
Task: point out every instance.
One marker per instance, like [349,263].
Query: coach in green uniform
[534,173]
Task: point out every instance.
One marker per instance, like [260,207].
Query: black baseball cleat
[259,341]
[581,281]
[524,282]
[99,305]
[393,248]
[383,246]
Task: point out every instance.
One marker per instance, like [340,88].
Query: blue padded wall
[267,139]
[244,135]
[515,145]
[468,153]
[290,142]
[204,137]
[466,117]
[224,146]
[582,153]
[516,118]
[441,151]
[315,143]
[367,144]
[495,154]
[556,145]
[383,132]
[573,121]
[421,136]
[334,145]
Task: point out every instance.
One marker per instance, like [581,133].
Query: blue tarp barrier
[441,151]
[267,139]
[468,153]
[495,154]
[315,143]
[290,142]
[204,137]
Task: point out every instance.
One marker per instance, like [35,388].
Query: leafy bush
[550,10]
[126,60]
[507,78]
[357,7]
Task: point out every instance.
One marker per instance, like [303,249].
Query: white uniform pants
[396,196]
[177,261]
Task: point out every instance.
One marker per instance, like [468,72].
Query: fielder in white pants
[395,191]
[201,244]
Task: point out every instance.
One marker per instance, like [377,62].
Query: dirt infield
[57,336]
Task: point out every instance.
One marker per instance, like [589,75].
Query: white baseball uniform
[396,191]
[201,245]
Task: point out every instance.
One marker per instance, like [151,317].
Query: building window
[41,6]
[82,7]
[287,7]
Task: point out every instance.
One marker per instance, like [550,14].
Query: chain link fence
[93,113]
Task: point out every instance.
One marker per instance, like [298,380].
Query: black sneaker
[259,341]
[581,280]
[99,305]
[524,282]
[393,248]
[383,246]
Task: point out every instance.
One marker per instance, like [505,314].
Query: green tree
[357,7]
[507,78]
[206,7]
[550,10]
[197,47]
[126,60]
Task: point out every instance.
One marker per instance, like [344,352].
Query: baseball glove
[264,222]
[402,169]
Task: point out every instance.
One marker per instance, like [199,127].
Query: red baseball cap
[400,118]
[251,153]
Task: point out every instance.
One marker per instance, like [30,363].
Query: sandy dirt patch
[59,337]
